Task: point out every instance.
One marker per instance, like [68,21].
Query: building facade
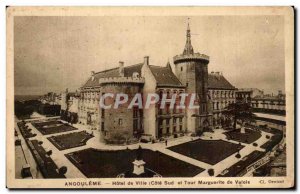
[221,93]
[69,106]
[273,104]
[190,76]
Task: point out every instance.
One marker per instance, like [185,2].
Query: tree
[239,111]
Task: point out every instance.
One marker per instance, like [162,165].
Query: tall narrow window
[102,126]
[120,122]
[102,113]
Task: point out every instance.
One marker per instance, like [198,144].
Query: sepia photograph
[150,97]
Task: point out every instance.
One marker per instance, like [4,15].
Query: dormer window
[135,75]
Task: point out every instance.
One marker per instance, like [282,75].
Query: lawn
[208,151]
[51,127]
[70,140]
[108,164]
[248,137]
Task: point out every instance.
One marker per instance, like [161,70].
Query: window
[160,94]
[180,120]
[102,126]
[120,122]
[168,130]
[175,108]
[135,125]
[174,121]
[181,68]
[167,121]
[168,94]
[102,113]
[135,112]
[168,108]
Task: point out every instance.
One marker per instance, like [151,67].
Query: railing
[193,56]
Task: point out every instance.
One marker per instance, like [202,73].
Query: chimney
[92,75]
[217,75]
[169,65]
[146,60]
[121,68]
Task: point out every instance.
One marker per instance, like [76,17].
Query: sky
[55,53]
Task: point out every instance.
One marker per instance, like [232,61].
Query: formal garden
[51,127]
[248,136]
[70,140]
[95,163]
[208,151]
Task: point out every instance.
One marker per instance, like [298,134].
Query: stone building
[273,104]
[244,95]
[192,70]
[221,93]
[190,76]
[69,106]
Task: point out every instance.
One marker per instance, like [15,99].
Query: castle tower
[192,70]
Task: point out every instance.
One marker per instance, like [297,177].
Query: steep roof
[114,72]
[217,81]
[164,76]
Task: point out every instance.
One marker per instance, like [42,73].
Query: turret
[192,70]
[121,68]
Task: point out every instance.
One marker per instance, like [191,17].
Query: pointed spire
[188,49]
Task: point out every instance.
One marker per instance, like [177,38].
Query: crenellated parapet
[191,57]
[135,80]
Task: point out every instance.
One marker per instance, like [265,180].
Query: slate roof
[114,72]
[219,82]
[165,76]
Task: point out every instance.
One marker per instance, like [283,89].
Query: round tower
[192,70]
[120,124]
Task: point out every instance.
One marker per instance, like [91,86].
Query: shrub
[117,137]
[238,155]
[162,139]
[63,170]
[144,141]
[49,153]
[211,172]
[193,135]
[175,135]
[267,136]
[254,144]
[17,142]
[199,133]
